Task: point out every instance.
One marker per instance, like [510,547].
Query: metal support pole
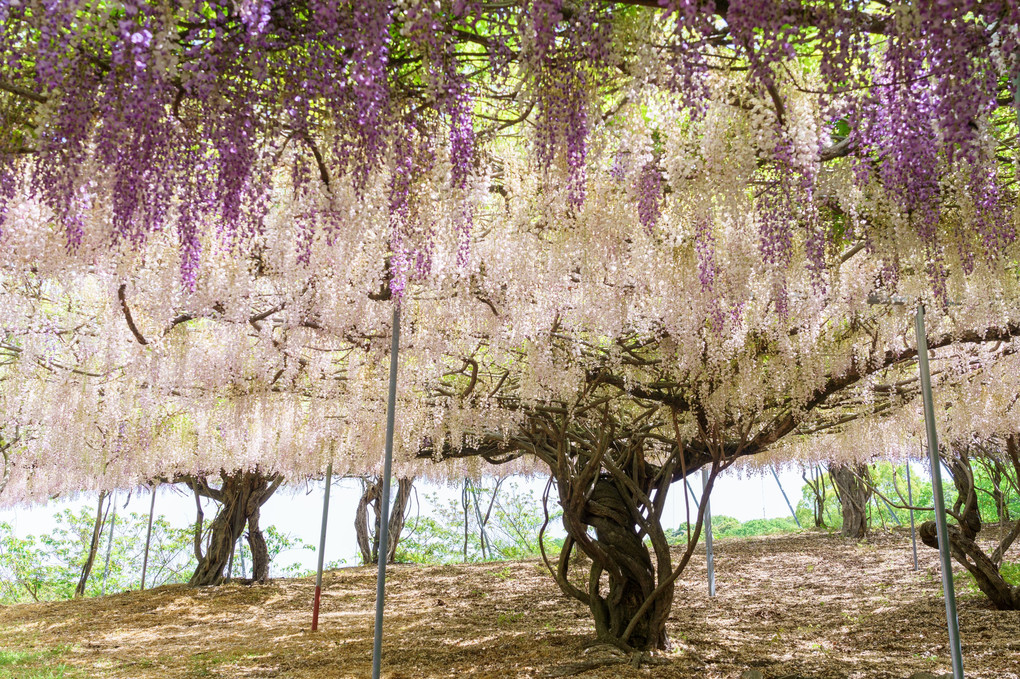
[1016,100]
[936,487]
[778,483]
[693,496]
[322,547]
[889,508]
[109,539]
[913,530]
[384,518]
[709,557]
[148,533]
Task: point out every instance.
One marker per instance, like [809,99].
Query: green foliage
[890,481]
[831,510]
[1010,571]
[431,541]
[965,583]
[762,527]
[511,531]
[728,527]
[24,576]
[985,483]
[47,567]
[277,543]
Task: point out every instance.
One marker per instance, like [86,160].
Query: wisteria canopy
[207,210]
[628,240]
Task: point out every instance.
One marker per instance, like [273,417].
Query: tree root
[635,659]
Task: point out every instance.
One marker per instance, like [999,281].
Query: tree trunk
[612,474]
[368,540]
[631,576]
[259,549]
[398,515]
[854,490]
[986,574]
[199,524]
[97,531]
[370,496]
[5,477]
[240,497]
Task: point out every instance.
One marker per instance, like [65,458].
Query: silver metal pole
[693,496]
[710,560]
[384,519]
[109,540]
[322,547]
[1016,100]
[148,534]
[778,483]
[891,512]
[936,487]
[913,530]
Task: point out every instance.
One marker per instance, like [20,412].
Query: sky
[297,510]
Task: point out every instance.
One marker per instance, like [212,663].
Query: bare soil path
[805,606]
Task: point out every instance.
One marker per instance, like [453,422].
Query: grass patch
[32,664]
[504,574]
[509,617]
[202,664]
[1011,572]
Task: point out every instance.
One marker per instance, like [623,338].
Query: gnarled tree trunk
[631,574]
[612,497]
[240,496]
[368,539]
[259,549]
[853,486]
[963,536]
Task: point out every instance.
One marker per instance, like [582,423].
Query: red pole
[315,608]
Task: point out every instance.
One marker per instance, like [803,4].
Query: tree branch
[22,92]
[122,296]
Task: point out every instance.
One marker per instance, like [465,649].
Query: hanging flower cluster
[691,202]
[138,116]
[272,363]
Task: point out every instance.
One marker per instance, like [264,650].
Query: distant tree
[240,497]
[817,486]
[371,498]
[97,529]
[854,488]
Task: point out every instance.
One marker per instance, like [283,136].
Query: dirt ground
[801,606]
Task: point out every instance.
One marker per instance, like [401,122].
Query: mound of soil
[805,606]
